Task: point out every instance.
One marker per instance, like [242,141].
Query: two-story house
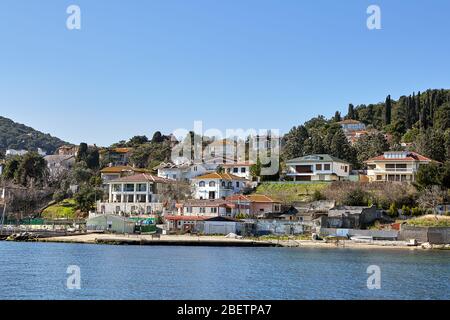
[318,167]
[240,169]
[395,166]
[217,185]
[134,195]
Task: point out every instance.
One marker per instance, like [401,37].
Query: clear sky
[138,66]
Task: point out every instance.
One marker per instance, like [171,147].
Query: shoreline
[221,241]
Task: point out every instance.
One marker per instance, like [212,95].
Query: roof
[239,164]
[120,169]
[410,156]
[350,121]
[117,150]
[220,218]
[221,176]
[171,165]
[259,198]
[317,158]
[58,158]
[187,218]
[142,177]
[207,203]
[222,142]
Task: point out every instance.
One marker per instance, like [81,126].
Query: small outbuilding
[219,225]
[110,223]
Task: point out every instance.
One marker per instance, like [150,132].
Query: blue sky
[140,66]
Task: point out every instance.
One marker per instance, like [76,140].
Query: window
[379,178]
[129,188]
[117,209]
[141,187]
[223,184]
[327,166]
[243,170]
[212,184]
[213,210]
[230,184]
[142,198]
[129,198]
[189,210]
[117,188]
[345,169]
[319,167]
[202,210]
[237,184]
[235,170]
[201,184]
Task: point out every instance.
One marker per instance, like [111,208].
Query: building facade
[318,167]
[399,166]
[217,185]
[139,194]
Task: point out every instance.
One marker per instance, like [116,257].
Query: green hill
[17,136]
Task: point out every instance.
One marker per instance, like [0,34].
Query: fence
[435,235]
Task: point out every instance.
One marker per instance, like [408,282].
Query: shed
[110,223]
[219,225]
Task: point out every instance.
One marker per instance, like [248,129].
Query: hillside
[18,136]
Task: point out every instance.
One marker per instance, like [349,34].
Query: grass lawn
[65,209]
[290,192]
[430,221]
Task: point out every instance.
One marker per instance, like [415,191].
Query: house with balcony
[139,194]
[318,167]
[217,185]
[115,172]
[116,156]
[259,205]
[210,208]
[399,166]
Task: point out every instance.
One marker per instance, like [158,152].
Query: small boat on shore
[361,238]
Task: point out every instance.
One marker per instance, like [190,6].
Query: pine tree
[337,117]
[295,142]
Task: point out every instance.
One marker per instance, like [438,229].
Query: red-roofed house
[395,166]
[258,204]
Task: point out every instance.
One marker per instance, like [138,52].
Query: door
[212,195]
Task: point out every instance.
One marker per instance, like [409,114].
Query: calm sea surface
[38,271]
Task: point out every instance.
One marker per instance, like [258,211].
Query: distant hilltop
[17,136]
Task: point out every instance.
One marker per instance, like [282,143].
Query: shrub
[317,196]
[416,212]
[406,211]
[393,211]
[356,197]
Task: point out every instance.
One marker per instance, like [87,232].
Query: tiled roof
[317,158]
[411,156]
[349,121]
[207,203]
[222,176]
[142,177]
[117,150]
[239,164]
[187,218]
[120,169]
[260,198]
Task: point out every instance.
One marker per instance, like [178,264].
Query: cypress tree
[351,112]
[387,110]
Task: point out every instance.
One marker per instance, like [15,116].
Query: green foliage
[416,212]
[369,146]
[406,211]
[85,198]
[317,196]
[295,142]
[357,197]
[393,210]
[429,175]
[29,169]
[62,210]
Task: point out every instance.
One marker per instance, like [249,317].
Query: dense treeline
[421,121]
[20,137]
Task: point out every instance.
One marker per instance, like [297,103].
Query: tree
[295,142]
[337,117]
[85,198]
[387,110]
[32,170]
[351,112]
[341,148]
[431,197]
[428,175]
[431,143]
[157,137]
[442,117]
[369,146]
[137,141]
[82,152]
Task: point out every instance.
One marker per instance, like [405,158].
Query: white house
[134,195]
[13,152]
[240,169]
[181,172]
[217,185]
[210,208]
[318,167]
[395,166]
